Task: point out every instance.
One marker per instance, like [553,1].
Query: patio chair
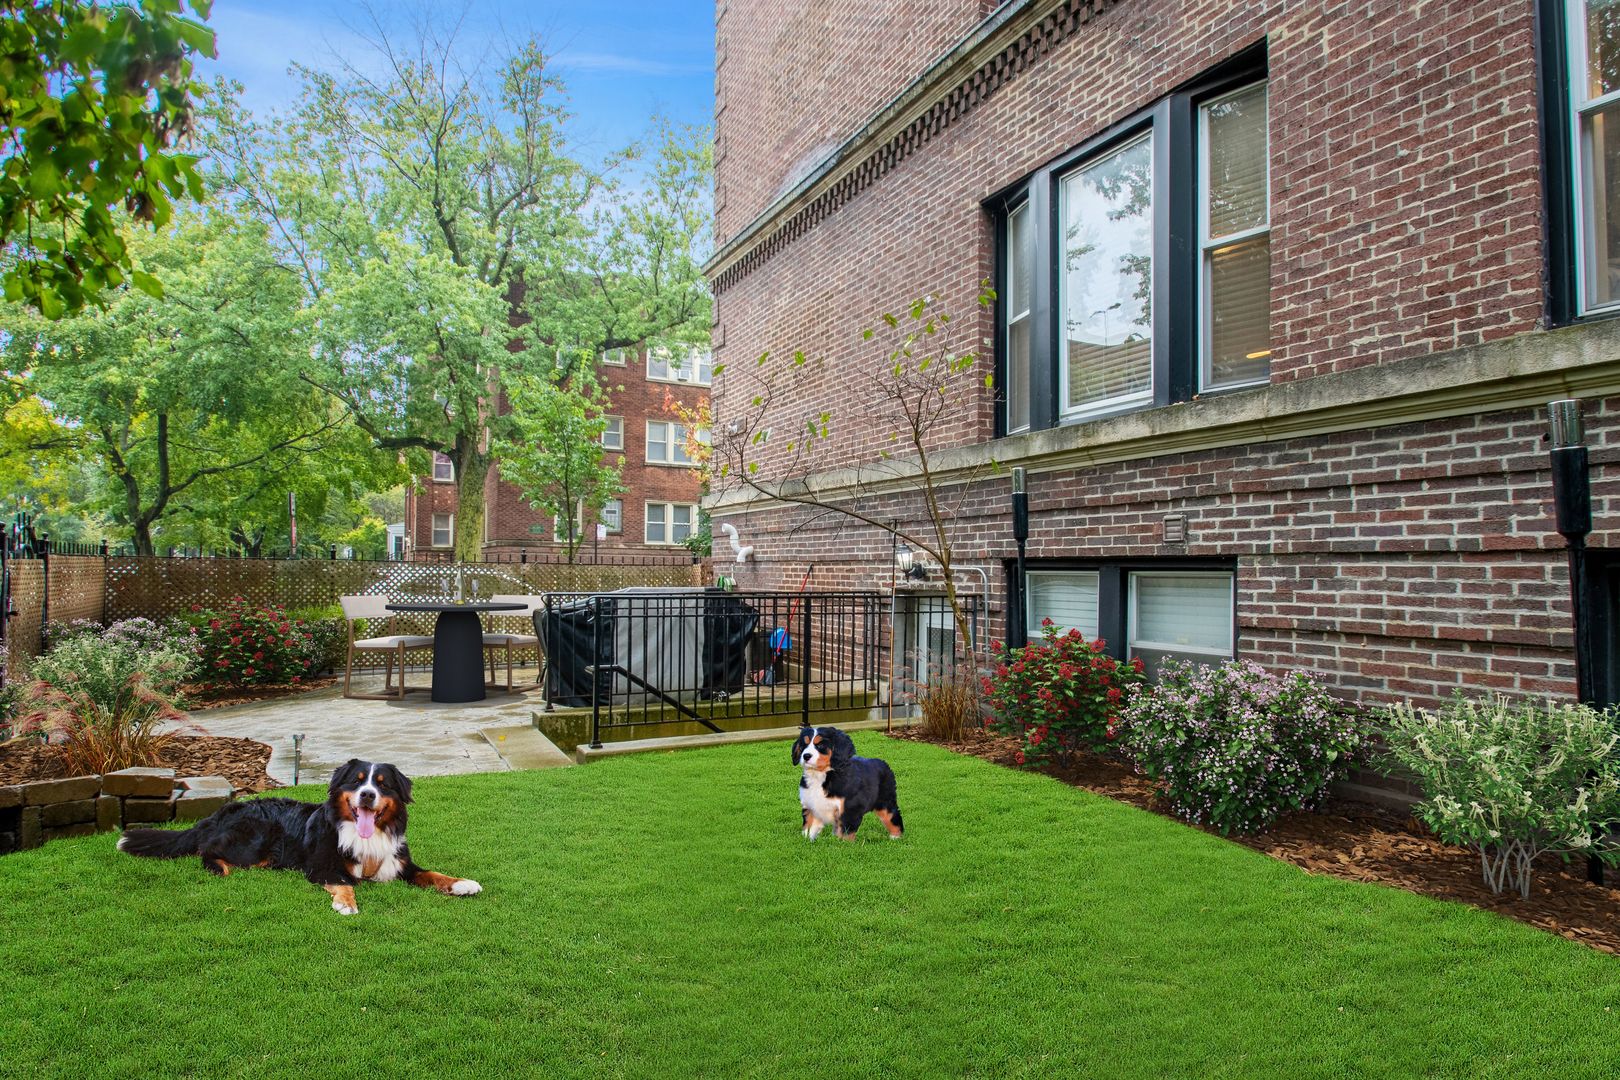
[498,642]
[392,645]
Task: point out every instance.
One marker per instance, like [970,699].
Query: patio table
[458,644]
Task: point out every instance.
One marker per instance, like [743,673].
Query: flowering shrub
[101,695]
[1060,695]
[327,637]
[1512,781]
[250,644]
[100,661]
[1235,746]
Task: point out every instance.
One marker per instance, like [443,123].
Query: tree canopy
[93,100]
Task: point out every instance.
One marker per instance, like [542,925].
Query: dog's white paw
[344,909]
[466,887]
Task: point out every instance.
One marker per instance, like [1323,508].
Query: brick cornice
[1001,48]
[1520,372]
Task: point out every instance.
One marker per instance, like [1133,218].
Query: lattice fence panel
[22,631]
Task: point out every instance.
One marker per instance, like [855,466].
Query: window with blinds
[1107,280]
[1235,238]
[1136,269]
[1182,615]
[1020,270]
[1068,598]
[1594,51]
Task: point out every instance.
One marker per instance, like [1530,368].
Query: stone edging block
[45,792]
[142,782]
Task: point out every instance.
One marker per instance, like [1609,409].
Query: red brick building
[652,515]
[1284,289]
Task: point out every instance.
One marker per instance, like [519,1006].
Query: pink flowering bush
[1061,695]
[249,644]
[1235,746]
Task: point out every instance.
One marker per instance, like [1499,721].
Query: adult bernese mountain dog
[840,789]
[357,834]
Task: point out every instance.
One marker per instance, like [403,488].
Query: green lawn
[661,916]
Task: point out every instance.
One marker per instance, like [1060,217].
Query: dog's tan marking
[225,868]
[888,821]
[427,879]
[343,899]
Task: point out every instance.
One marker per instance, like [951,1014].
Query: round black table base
[458,657]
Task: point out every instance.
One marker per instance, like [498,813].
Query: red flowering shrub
[246,644]
[1060,695]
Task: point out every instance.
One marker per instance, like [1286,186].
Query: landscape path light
[1572,509]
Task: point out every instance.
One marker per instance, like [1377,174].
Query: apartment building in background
[1284,289]
[654,513]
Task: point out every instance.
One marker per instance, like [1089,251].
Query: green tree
[92,100]
[637,272]
[554,454]
[412,205]
[191,406]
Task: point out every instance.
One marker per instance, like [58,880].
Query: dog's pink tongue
[365,823]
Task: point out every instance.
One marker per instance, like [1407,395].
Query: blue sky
[622,60]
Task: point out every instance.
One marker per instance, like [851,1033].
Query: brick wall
[1401,563]
[1405,181]
[774,123]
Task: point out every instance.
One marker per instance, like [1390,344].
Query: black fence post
[804,664]
[596,674]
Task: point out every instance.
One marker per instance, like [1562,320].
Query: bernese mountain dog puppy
[357,834]
[840,789]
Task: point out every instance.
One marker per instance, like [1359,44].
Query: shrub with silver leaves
[1512,780]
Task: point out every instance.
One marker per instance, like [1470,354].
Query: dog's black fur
[323,841]
[840,789]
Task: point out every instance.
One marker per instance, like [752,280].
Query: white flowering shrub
[1512,781]
[1236,746]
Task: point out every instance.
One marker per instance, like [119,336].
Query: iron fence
[641,658]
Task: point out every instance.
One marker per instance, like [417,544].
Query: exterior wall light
[905,561]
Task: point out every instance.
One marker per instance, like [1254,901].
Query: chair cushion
[394,641]
[510,639]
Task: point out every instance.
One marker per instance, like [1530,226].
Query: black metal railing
[642,657]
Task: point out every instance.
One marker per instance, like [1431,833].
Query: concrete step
[523,747]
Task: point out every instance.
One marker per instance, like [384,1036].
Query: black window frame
[1173,121]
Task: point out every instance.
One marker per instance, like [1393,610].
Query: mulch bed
[241,761]
[200,696]
[1362,842]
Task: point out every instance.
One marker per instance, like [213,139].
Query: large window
[1235,240]
[612,515]
[1105,289]
[1593,37]
[1152,610]
[1020,260]
[680,363]
[666,443]
[444,530]
[613,433]
[444,470]
[1136,270]
[669,523]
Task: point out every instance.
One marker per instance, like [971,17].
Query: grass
[661,916]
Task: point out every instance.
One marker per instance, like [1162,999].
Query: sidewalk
[420,736]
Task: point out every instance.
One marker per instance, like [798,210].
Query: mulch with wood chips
[1361,842]
[241,761]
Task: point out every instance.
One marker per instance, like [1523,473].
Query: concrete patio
[422,737]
